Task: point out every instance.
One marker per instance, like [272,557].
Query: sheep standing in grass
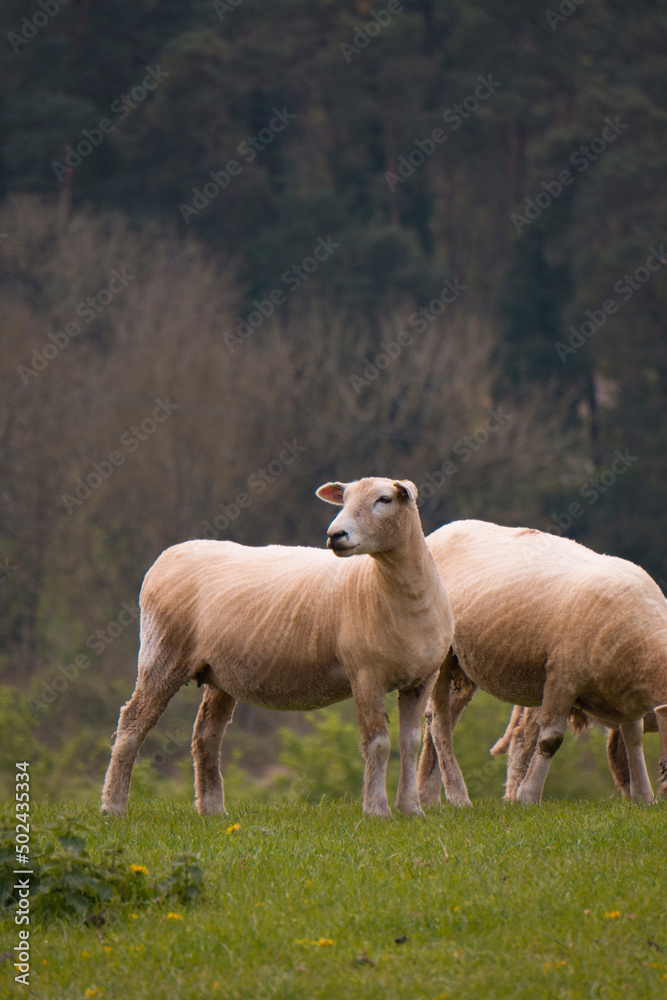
[544,621]
[520,739]
[295,628]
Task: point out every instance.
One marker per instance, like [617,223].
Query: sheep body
[287,650]
[542,620]
[295,628]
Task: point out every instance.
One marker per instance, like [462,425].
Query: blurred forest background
[215,218]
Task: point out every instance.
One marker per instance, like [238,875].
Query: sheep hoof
[211,807]
[459,800]
[107,809]
[527,798]
[410,809]
[382,811]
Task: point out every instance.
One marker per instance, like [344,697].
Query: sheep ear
[661,710]
[332,493]
[406,490]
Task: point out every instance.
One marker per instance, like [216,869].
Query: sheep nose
[334,537]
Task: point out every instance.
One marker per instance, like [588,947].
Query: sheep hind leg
[617,759]
[502,745]
[661,717]
[215,712]
[633,737]
[137,718]
[411,705]
[442,735]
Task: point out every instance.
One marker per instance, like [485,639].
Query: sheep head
[377,514]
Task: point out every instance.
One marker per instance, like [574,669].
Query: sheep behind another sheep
[544,621]
[520,738]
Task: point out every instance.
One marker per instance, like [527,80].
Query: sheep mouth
[341,550]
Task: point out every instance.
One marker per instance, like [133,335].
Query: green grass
[567,900]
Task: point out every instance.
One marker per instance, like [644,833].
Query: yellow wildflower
[233,829]
[92,991]
[139,869]
[174,916]
[613,915]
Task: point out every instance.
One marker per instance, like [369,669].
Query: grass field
[567,900]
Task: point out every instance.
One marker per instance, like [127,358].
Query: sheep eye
[384,500]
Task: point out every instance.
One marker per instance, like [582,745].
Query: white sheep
[295,628]
[544,621]
[520,739]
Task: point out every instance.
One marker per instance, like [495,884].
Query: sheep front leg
[633,737]
[215,712]
[556,706]
[521,750]
[375,743]
[429,778]
[411,705]
[462,691]
[441,733]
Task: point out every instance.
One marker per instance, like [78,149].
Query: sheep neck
[409,570]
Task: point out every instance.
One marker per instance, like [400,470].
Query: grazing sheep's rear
[295,628]
[542,620]
[520,738]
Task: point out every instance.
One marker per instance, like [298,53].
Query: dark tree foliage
[574,88]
